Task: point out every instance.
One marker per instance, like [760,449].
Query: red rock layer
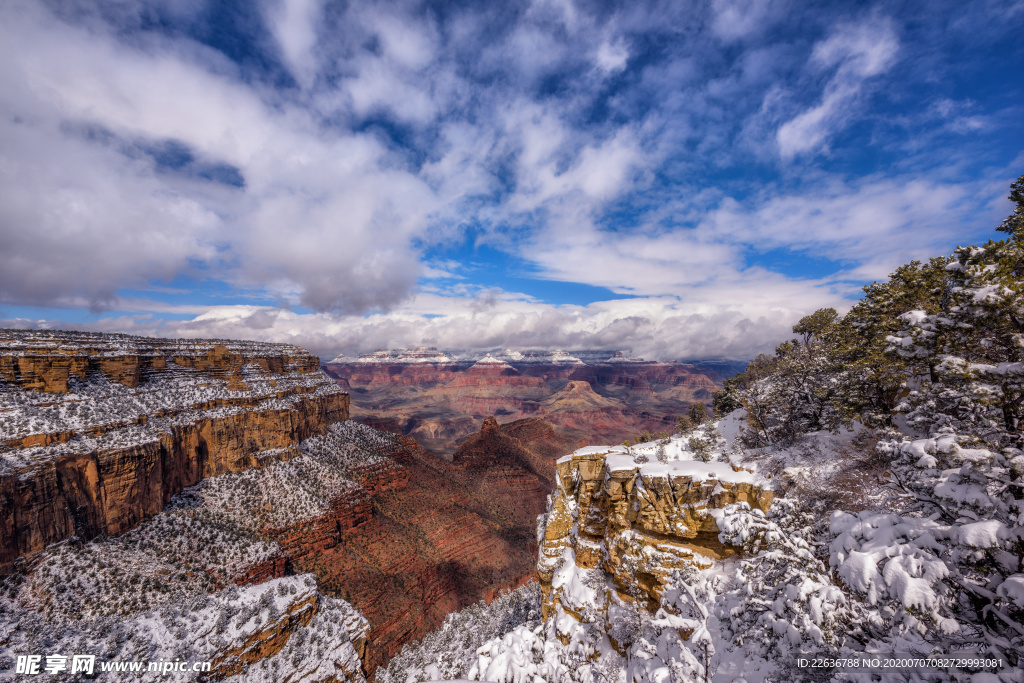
[380,476]
[346,511]
[441,404]
[418,375]
[444,537]
[107,492]
[540,437]
[274,568]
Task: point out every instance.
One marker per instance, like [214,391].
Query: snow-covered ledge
[636,514]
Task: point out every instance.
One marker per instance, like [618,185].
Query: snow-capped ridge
[419,355]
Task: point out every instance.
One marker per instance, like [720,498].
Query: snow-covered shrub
[780,600]
[701,448]
[944,572]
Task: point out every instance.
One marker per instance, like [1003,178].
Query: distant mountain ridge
[430,354]
[441,396]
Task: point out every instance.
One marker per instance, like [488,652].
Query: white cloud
[294,23]
[308,220]
[857,52]
[408,43]
[612,57]
[662,328]
[866,228]
[737,19]
[873,223]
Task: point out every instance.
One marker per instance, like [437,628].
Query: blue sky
[682,179]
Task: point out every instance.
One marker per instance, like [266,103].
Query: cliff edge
[98,432]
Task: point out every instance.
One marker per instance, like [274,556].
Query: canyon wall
[100,431]
[599,397]
[442,536]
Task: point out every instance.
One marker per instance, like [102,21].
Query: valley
[590,397]
[175,480]
[519,342]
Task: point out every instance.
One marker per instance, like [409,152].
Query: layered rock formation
[100,431]
[540,438]
[128,441]
[599,397]
[636,520]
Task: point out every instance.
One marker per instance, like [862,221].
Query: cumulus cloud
[294,25]
[307,219]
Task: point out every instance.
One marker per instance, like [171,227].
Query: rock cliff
[636,521]
[99,431]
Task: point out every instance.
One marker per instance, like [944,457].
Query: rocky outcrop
[637,523]
[347,510]
[541,438]
[297,634]
[274,568]
[510,479]
[283,630]
[311,537]
[100,431]
[380,476]
[265,641]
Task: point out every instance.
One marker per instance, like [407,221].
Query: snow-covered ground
[130,597]
[222,628]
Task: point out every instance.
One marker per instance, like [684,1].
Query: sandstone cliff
[99,431]
[636,521]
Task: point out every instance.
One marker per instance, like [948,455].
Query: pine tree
[698,413]
[800,389]
[728,398]
[875,379]
[1014,223]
